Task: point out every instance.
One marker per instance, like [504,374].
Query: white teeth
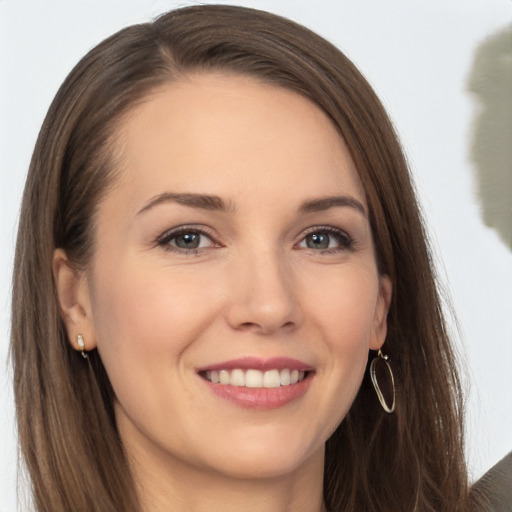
[285,377]
[271,379]
[255,378]
[237,378]
[224,377]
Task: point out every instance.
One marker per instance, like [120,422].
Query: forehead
[223,134]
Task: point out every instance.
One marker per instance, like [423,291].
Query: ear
[74,300]
[380,325]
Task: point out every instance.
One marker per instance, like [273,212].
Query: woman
[220,220]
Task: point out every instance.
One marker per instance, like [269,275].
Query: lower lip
[261,398]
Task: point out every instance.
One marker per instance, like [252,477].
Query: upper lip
[257,363]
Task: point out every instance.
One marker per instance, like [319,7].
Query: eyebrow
[216,203]
[204,202]
[325,203]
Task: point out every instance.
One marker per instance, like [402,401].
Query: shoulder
[494,489]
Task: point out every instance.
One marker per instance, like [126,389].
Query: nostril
[265,327]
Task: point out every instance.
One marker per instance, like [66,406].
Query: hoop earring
[381,357]
[81,345]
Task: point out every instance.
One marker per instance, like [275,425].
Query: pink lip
[256,363]
[260,398]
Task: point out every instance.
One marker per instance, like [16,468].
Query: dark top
[494,489]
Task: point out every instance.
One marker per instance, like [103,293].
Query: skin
[256,286]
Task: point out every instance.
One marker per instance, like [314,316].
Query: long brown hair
[411,460]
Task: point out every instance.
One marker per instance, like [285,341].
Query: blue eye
[188,240]
[326,239]
[318,241]
[184,240]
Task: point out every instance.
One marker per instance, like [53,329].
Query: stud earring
[81,345]
[381,358]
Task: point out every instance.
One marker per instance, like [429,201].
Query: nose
[263,295]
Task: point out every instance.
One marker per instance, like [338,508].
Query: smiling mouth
[258,383]
[253,378]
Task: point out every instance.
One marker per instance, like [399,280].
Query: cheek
[344,317]
[145,318]
[344,308]
[131,298]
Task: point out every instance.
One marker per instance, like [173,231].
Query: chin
[263,458]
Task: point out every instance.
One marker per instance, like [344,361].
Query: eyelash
[165,239]
[345,242]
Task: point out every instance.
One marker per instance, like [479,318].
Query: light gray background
[419,56]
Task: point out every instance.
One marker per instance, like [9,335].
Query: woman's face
[234,246]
